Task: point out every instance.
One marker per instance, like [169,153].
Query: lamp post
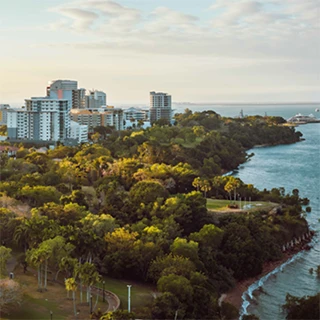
[91,304]
[103,296]
[129,297]
[51,313]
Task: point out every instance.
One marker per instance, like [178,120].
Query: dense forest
[132,205]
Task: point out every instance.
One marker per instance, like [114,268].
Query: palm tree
[205,187]
[71,285]
[197,183]
[228,187]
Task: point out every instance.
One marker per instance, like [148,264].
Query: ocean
[289,166]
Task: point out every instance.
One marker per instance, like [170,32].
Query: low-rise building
[79,132]
[94,117]
[9,150]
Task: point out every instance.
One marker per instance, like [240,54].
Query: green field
[141,294]
[37,305]
[222,205]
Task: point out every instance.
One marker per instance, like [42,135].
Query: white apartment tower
[160,106]
[43,119]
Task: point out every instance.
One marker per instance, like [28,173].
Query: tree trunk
[39,277]
[45,274]
[80,291]
[88,295]
[74,302]
[95,305]
[56,276]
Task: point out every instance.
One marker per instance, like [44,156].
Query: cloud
[268,17]
[98,15]
[82,19]
[253,29]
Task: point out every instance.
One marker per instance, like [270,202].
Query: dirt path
[11,264]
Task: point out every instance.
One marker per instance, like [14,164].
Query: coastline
[234,296]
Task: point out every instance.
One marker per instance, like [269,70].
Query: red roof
[10,148]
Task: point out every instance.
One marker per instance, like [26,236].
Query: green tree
[166,306]
[119,315]
[170,264]
[179,286]
[307,307]
[39,195]
[209,235]
[187,249]
[147,192]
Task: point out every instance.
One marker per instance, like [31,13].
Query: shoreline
[234,296]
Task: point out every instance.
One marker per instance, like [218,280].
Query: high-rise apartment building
[79,98]
[43,119]
[67,89]
[160,106]
[96,99]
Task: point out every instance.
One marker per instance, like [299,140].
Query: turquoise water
[289,166]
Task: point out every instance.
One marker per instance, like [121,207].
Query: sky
[195,50]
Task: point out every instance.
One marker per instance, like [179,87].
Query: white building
[136,114]
[43,119]
[160,106]
[79,132]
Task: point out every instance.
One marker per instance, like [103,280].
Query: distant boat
[317,110]
[301,119]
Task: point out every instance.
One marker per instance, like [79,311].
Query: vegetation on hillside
[133,206]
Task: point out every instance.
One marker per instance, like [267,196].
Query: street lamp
[129,297]
[51,313]
[103,296]
[91,304]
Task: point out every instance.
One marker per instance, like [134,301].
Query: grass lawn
[222,205]
[141,294]
[37,305]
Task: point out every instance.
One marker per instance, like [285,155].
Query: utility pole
[129,297]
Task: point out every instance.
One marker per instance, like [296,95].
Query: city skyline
[208,51]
